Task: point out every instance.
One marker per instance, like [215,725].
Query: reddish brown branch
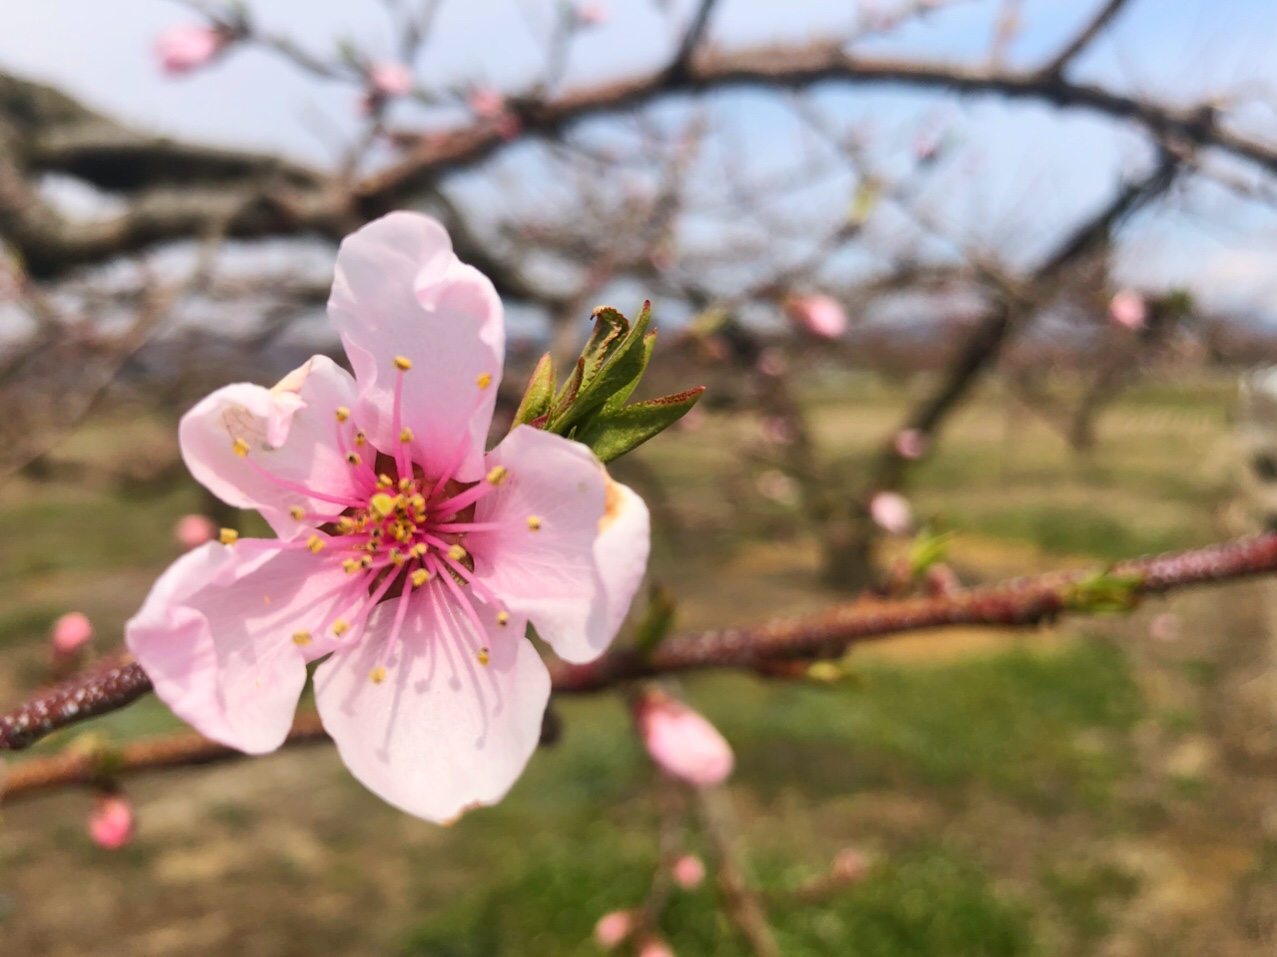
[186,749]
[1017,603]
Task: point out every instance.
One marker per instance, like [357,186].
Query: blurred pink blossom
[614,928]
[688,872]
[820,315]
[390,80]
[186,48]
[910,444]
[849,865]
[655,947]
[591,14]
[771,361]
[71,632]
[682,742]
[778,487]
[1127,309]
[486,102]
[891,512]
[111,822]
[194,530]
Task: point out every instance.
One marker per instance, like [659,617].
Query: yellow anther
[385,481]
[382,504]
[360,439]
[343,413]
[240,447]
[484,380]
[297,512]
[366,562]
[418,550]
[396,557]
[340,627]
[420,577]
[497,475]
[456,553]
[353,458]
[405,435]
[402,364]
[345,525]
[418,502]
[484,657]
[534,523]
[301,637]
[374,533]
[315,544]
[228,536]
[351,565]
[503,618]
[405,485]
[378,675]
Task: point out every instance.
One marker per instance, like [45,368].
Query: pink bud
[820,315]
[486,102]
[613,929]
[682,742]
[71,632]
[390,79]
[194,530]
[111,821]
[910,444]
[688,872]
[185,48]
[1127,308]
[849,865]
[655,948]
[891,512]
[591,14]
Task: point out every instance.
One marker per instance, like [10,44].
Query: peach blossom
[194,530]
[71,632]
[390,80]
[682,742]
[1127,308]
[891,512]
[819,315]
[688,872]
[614,929]
[185,48]
[111,824]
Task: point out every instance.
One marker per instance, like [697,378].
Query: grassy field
[1088,789]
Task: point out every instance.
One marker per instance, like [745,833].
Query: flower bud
[655,947]
[111,824]
[688,872]
[682,742]
[194,530]
[819,315]
[891,512]
[1127,309]
[186,48]
[613,929]
[70,633]
[390,80]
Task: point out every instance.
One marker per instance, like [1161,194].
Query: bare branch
[1094,27]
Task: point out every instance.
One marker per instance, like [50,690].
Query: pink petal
[71,632]
[184,48]
[400,291]
[682,742]
[891,512]
[291,432]
[613,929]
[549,573]
[688,872]
[215,635]
[820,315]
[391,79]
[111,824]
[442,732]
[621,551]
[1128,308]
[193,530]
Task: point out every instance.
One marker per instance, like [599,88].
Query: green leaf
[622,368]
[538,395]
[610,330]
[620,395]
[1104,593]
[612,434]
[928,549]
[567,395]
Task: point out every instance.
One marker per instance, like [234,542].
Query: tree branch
[1094,27]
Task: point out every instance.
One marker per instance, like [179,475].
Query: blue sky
[1022,171]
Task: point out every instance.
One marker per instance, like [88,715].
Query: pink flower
[849,865]
[688,872]
[194,530]
[891,512]
[407,556]
[486,102]
[71,632]
[613,929]
[390,80]
[591,14]
[910,444]
[820,315]
[1127,308]
[111,824]
[186,48]
[654,947]
[682,742]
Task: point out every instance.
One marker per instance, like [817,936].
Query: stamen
[471,527]
[456,553]
[534,523]
[360,439]
[420,577]
[301,637]
[405,435]
[497,475]
[315,544]
[401,610]
[484,656]
[382,504]
[378,675]
[353,458]
[240,447]
[402,364]
[228,536]
[402,465]
[340,626]
[484,380]
[343,413]
[302,489]
[503,618]
[297,513]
